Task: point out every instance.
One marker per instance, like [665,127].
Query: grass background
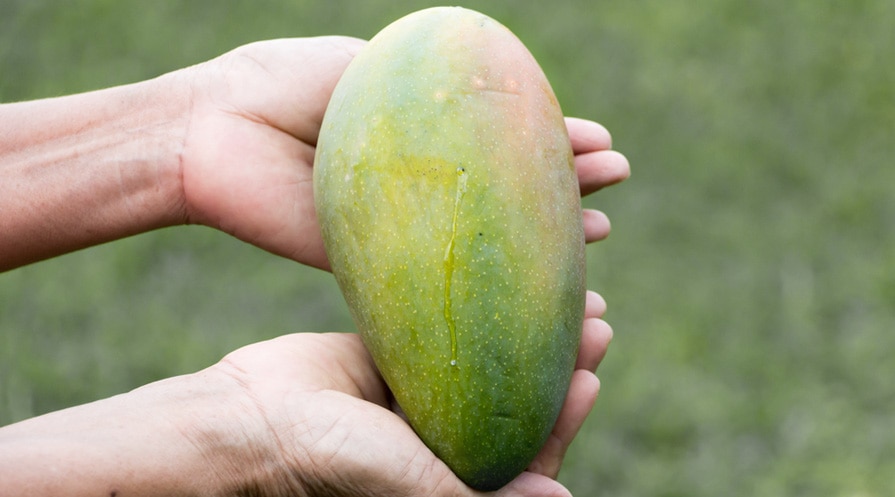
[750,273]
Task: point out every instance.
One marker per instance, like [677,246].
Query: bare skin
[230,144]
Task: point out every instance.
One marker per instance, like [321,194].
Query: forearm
[163,439]
[85,169]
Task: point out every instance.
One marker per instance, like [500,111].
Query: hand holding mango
[275,93]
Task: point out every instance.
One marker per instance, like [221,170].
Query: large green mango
[449,204]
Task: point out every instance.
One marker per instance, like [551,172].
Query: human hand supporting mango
[276,91]
[303,414]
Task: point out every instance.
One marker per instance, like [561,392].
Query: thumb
[533,485]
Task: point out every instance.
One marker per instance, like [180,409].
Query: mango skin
[448,200]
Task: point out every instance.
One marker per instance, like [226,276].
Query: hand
[249,151]
[320,420]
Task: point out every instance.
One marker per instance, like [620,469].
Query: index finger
[587,136]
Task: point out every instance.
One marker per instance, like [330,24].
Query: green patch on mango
[447,195]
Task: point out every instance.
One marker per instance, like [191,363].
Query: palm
[321,391]
[249,154]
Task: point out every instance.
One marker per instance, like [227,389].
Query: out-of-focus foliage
[750,273]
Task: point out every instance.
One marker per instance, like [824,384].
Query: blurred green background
[750,273]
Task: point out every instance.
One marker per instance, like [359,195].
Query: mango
[448,201]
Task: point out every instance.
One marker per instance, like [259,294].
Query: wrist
[140,443]
[230,444]
[84,169]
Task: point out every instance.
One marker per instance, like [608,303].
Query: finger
[299,71]
[351,357]
[533,485]
[587,136]
[321,72]
[335,361]
[582,394]
[596,335]
[599,169]
[343,440]
[597,165]
[596,225]
[594,305]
